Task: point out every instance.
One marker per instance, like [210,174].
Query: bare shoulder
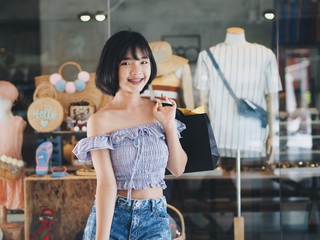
[100,122]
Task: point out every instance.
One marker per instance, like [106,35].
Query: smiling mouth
[136,80]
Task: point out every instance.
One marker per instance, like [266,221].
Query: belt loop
[116,201]
[154,205]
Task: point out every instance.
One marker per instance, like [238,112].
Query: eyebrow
[128,58]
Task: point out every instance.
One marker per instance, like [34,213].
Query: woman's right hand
[165,114]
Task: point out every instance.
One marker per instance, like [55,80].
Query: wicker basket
[90,94]
[183,230]
[45,113]
[9,171]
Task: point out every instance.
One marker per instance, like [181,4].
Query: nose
[134,73]
[135,70]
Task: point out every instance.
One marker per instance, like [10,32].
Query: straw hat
[8,91]
[166,61]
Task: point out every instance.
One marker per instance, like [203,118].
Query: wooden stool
[11,231]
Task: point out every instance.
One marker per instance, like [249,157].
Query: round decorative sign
[45,114]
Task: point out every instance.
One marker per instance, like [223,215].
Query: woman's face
[134,73]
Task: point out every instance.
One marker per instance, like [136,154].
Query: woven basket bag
[90,94]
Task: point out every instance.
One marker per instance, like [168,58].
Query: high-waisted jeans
[135,219]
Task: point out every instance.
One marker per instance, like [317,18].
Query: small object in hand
[166,103]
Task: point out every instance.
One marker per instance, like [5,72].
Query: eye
[125,63]
[144,61]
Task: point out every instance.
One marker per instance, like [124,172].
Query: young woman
[131,142]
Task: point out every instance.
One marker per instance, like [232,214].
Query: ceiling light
[85,17]
[100,16]
[268,14]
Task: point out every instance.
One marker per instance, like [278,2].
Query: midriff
[150,193]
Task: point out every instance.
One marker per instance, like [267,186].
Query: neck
[235,36]
[5,116]
[5,111]
[127,100]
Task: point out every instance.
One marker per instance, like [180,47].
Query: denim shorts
[135,219]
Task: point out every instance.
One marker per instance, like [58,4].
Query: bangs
[132,48]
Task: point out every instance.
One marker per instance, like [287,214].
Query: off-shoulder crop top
[139,154]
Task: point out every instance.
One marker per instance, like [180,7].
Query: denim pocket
[90,229]
[161,212]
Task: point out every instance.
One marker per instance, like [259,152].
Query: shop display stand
[57,137]
[70,197]
[238,221]
[10,230]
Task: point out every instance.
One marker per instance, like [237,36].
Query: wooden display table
[12,231]
[70,197]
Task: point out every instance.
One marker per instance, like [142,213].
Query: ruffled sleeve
[85,145]
[180,127]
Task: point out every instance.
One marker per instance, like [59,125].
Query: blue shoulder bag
[246,107]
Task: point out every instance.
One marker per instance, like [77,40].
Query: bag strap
[221,75]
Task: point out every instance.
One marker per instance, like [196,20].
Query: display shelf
[71,198]
[58,138]
[194,193]
[62,133]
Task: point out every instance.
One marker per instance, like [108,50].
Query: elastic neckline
[127,128]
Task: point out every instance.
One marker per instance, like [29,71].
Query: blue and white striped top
[139,154]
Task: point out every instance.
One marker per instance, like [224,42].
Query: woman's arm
[166,116]
[177,157]
[105,193]
[106,185]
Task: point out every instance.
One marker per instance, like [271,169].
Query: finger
[159,104]
[172,101]
[156,106]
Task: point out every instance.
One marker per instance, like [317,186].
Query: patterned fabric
[139,154]
[252,72]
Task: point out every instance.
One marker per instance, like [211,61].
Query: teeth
[135,80]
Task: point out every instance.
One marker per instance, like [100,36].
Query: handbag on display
[245,107]
[198,140]
[83,88]
[45,113]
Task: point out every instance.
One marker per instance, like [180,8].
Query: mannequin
[235,36]
[11,191]
[174,77]
[252,72]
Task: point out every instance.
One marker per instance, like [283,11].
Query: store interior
[276,194]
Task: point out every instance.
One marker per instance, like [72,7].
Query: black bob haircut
[114,51]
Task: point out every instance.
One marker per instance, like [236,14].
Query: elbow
[178,172]
[106,187]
